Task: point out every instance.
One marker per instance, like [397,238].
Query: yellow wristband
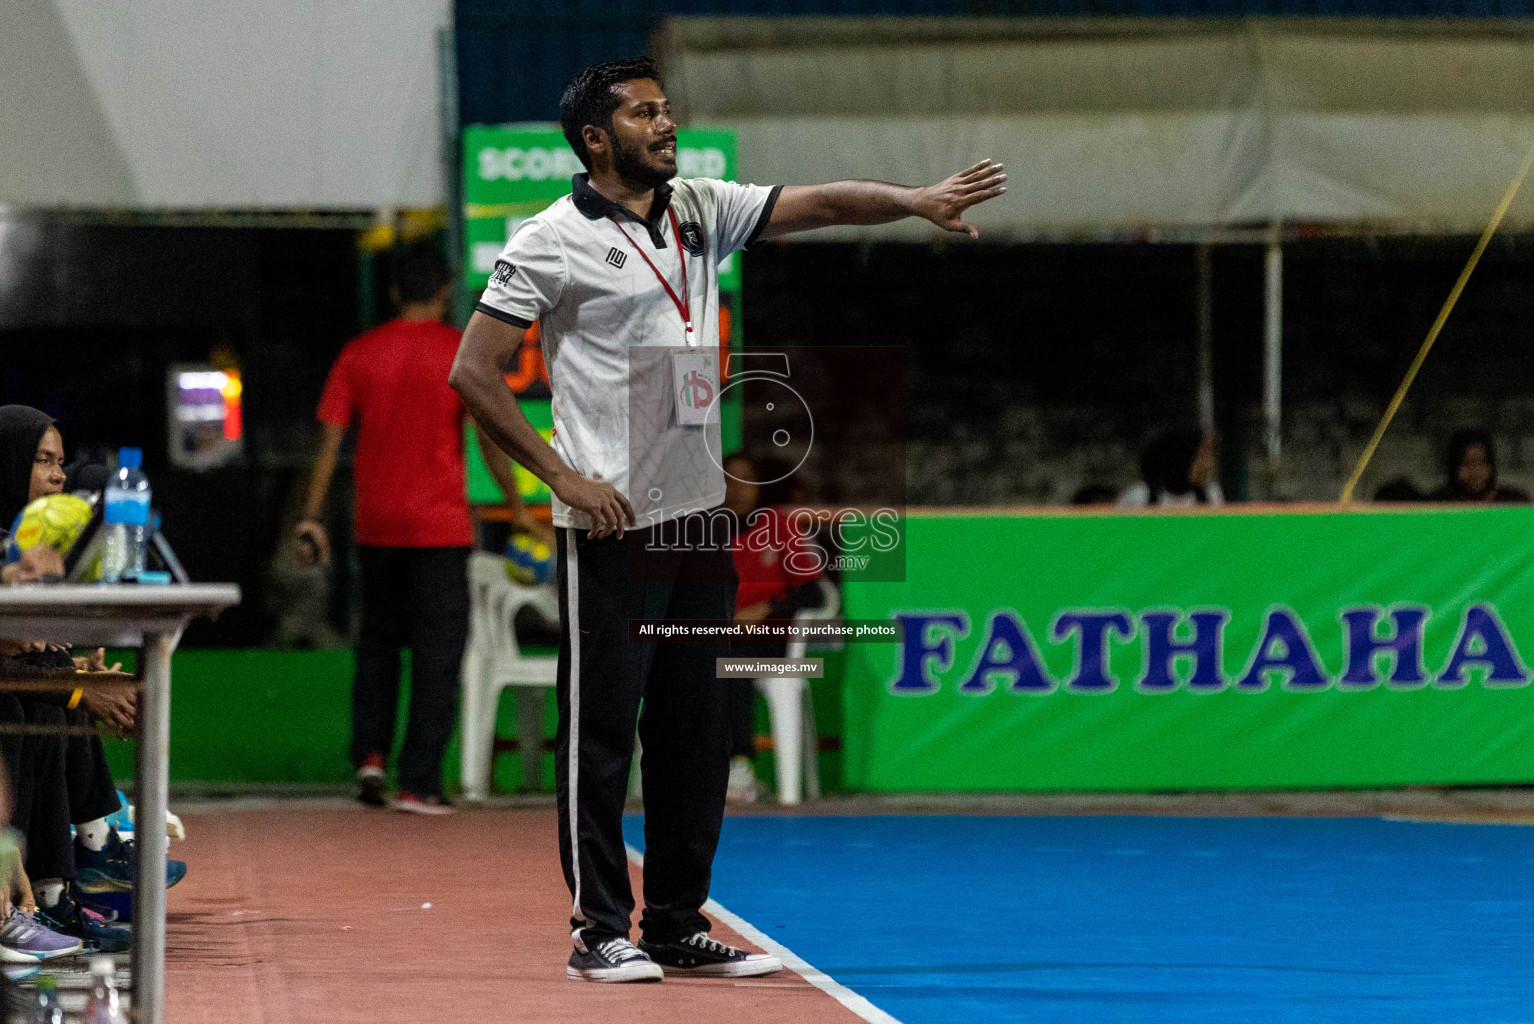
[74,698]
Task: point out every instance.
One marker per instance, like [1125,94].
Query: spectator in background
[1471,472]
[413,527]
[1177,469]
[1399,489]
[776,582]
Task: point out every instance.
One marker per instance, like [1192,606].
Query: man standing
[623,276]
[412,528]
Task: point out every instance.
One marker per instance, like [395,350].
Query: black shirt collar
[596,206]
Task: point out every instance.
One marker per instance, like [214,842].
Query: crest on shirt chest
[693,239]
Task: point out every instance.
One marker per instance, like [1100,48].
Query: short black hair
[1166,460]
[589,98]
[421,271]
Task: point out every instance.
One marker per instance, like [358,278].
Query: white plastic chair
[795,744]
[492,661]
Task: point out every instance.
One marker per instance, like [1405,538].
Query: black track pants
[684,728]
[416,598]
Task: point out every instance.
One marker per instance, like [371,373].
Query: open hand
[752,612]
[37,564]
[609,510]
[944,203]
[96,661]
[312,542]
[114,708]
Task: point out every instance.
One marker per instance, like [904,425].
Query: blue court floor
[942,919]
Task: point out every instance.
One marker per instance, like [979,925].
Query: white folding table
[150,618]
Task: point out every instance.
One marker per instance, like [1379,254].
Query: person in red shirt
[412,527]
[776,581]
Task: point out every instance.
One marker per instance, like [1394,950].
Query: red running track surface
[307,913]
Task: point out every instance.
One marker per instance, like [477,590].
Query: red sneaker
[370,781]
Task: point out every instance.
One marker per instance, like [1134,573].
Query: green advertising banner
[511,172]
[1123,652]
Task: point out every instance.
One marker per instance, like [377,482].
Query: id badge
[694,384]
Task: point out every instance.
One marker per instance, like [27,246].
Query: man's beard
[629,163]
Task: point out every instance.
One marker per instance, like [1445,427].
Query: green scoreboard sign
[511,172]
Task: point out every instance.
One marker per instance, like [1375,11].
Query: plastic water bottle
[48,1010]
[125,518]
[104,1006]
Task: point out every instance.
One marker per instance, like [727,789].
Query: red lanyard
[683,304]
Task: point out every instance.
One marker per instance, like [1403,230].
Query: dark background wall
[90,317]
[1034,370]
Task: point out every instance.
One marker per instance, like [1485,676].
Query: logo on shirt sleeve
[693,239]
[616,258]
[503,272]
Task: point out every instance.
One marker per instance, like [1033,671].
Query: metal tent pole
[1273,353]
[447,78]
[1204,258]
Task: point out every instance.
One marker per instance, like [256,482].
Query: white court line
[793,961]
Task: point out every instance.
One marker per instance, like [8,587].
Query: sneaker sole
[93,884]
[737,969]
[79,948]
[92,881]
[613,975]
[371,789]
[427,810]
[16,956]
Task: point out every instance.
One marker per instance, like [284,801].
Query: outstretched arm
[803,207]
[478,375]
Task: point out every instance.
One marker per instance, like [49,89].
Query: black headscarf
[21,431]
[1459,444]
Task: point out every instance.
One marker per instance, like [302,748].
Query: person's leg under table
[439,628]
[43,794]
[92,793]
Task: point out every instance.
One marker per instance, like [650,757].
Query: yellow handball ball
[55,520]
[529,560]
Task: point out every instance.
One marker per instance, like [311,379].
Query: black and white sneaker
[613,960]
[701,957]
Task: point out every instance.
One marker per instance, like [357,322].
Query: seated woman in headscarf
[60,779]
[31,465]
[1471,472]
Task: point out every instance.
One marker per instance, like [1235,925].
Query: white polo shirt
[601,306]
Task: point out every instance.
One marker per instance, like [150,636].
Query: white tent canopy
[1113,126]
[176,104]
